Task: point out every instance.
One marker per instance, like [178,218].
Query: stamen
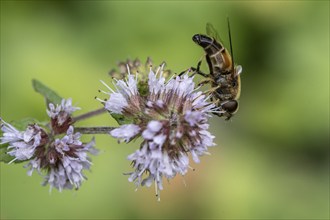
[108,87]
[170,78]
[128,70]
[12,160]
[193,169]
[157,71]
[7,124]
[101,100]
[161,69]
[157,192]
[101,91]
[114,84]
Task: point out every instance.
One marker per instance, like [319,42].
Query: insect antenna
[231,45]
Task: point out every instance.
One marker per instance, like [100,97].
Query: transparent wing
[212,32]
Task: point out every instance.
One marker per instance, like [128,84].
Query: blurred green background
[271,159]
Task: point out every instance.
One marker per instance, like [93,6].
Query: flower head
[64,160]
[61,115]
[172,119]
[58,155]
[136,66]
[22,144]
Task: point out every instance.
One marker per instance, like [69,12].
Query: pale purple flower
[61,115]
[125,132]
[22,144]
[60,159]
[172,119]
[10,133]
[126,95]
[64,160]
[61,111]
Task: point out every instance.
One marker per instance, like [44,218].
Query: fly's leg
[211,90]
[217,103]
[205,81]
[196,70]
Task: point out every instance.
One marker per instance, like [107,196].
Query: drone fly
[224,76]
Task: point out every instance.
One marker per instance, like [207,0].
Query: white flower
[155,85]
[64,159]
[22,144]
[61,115]
[116,103]
[171,118]
[125,132]
[61,160]
[10,133]
[158,164]
[126,93]
[61,111]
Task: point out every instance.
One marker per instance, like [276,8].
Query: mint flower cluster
[60,159]
[172,120]
[166,115]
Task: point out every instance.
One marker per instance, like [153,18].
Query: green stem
[89,114]
[94,130]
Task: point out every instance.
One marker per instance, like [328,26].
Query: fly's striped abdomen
[217,56]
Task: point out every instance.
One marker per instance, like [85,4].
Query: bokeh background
[271,159]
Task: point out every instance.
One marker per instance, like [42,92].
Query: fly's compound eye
[230,106]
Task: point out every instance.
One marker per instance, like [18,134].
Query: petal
[154,126]
[125,132]
[116,103]
[159,139]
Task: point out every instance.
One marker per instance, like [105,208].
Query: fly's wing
[212,32]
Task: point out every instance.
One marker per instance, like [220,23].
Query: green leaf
[3,145]
[50,95]
[4,157]
[121,120]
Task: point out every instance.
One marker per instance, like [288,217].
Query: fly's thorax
[234,84]
[228,86]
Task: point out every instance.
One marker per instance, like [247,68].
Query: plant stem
[94,130]
[89,114]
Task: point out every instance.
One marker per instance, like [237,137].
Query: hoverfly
[224,76]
